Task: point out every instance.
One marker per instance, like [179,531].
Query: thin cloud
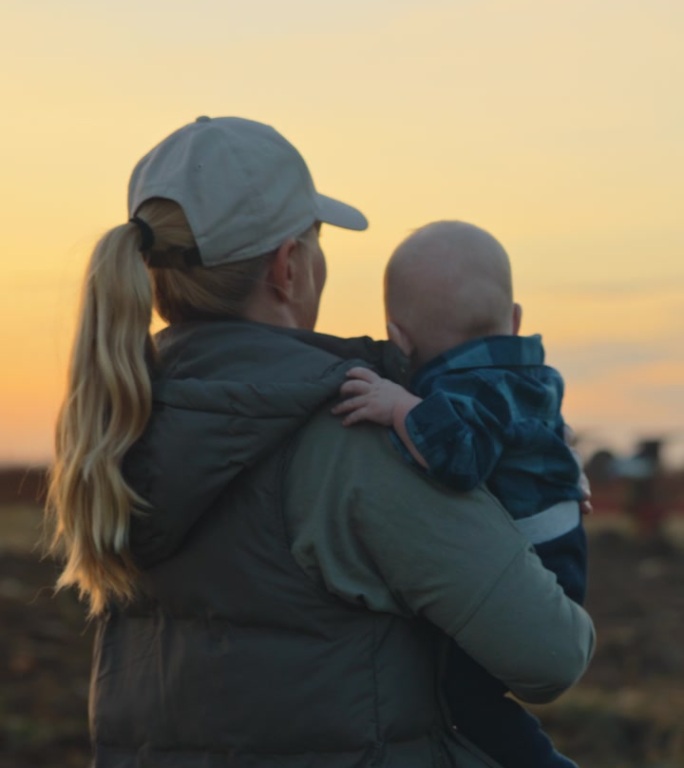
[666,286]
[592,361]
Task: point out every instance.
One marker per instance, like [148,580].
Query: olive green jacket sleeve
[377,532]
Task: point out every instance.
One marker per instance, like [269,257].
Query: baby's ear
[517,319]
[400,338]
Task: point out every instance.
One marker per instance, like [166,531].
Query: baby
[483,408]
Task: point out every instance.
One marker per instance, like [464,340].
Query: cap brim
[331,211]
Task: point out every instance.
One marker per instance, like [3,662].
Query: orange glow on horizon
[554,126]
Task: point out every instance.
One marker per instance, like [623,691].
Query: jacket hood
[226,394]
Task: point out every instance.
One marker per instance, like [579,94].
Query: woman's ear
[281,271]
[517,318]
[399,336]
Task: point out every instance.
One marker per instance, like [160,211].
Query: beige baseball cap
[244,188]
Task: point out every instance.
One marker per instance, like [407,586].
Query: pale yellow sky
[558,126]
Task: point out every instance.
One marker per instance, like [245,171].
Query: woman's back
[237,651]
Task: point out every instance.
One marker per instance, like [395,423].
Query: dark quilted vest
[240,660]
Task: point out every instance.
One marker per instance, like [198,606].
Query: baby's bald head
[447,283]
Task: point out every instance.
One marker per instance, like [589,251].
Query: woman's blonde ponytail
[106,409]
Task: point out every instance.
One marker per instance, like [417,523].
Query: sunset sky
[558,125]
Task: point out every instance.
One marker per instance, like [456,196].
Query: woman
[270,588]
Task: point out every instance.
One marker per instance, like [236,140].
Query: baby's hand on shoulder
[369,397]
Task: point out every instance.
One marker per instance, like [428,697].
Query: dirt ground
[626,713]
